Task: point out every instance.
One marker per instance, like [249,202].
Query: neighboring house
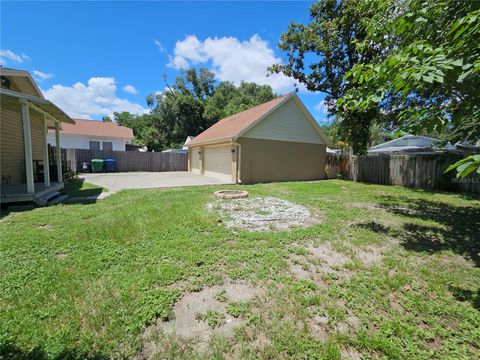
[334,151]
[275,141]
[187,141]
[136,147]
[405,144]
[183,150]
[175,151]
[25,117]
[93,135]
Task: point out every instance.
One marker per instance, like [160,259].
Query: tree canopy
[428,75]
[194,102]
[389,66]
[322,52]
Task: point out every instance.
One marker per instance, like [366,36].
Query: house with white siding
[93,135]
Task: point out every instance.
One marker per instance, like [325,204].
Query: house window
[107,145]
[94,145]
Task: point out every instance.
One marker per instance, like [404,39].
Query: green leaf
[428,78]
[457,164]
[458,62]
[467,170]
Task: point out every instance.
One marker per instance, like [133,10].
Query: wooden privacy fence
[130,160]
[424,171]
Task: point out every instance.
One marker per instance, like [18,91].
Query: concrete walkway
[146,180]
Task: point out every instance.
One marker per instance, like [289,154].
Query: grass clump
[212,318]
[238,309]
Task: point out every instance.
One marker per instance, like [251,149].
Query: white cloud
[41,75]
[130,89]
[232,60]
[321,107]
[159,45]
[10,55]
[95,99]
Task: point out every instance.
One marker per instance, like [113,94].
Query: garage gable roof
[232,127]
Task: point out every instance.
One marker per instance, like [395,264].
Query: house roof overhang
[43,105]
[22,80]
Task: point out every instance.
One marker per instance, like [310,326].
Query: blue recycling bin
[109,165]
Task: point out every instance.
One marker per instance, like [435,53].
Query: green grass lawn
[85,280]
[81,188]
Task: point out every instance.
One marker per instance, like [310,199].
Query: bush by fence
[423,171]
[130,160]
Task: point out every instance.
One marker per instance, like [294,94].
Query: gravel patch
[262,214]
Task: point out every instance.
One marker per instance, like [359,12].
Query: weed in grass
[238,309]
[212,318]
[221,296]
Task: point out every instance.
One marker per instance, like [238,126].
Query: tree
[194,102]
[322,52]
[428,76]
[229,99]
[106,119]
[144,131]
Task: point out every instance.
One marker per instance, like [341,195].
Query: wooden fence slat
[424,171]
[132,160]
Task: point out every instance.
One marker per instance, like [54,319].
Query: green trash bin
[97,165]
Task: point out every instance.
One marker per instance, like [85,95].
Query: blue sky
[93,58]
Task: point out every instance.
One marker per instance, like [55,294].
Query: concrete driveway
[145,180]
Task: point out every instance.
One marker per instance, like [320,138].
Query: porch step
[43,200]
[57,200]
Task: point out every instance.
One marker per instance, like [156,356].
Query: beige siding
[12,167]
[195,160]
[270,160]
[287,123]
[38,138]
[218,162]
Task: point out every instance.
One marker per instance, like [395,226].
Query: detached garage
[275,141]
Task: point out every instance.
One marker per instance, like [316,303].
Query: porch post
[46,163]
[27,146]
[58,151]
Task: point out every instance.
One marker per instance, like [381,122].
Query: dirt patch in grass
[394,304]
[349,326]
[351,353]
[434,344]
[319,261]
[45,227]
[61,255]
[319,327]
[197,316]
[298,270]
[263,214]
[330,261]
[370,255]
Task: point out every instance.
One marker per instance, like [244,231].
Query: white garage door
[218,162]
[195,159]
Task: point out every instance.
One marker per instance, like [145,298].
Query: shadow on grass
[473,297]
[374,226]
[11,351]
[458,227]
[78,188]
